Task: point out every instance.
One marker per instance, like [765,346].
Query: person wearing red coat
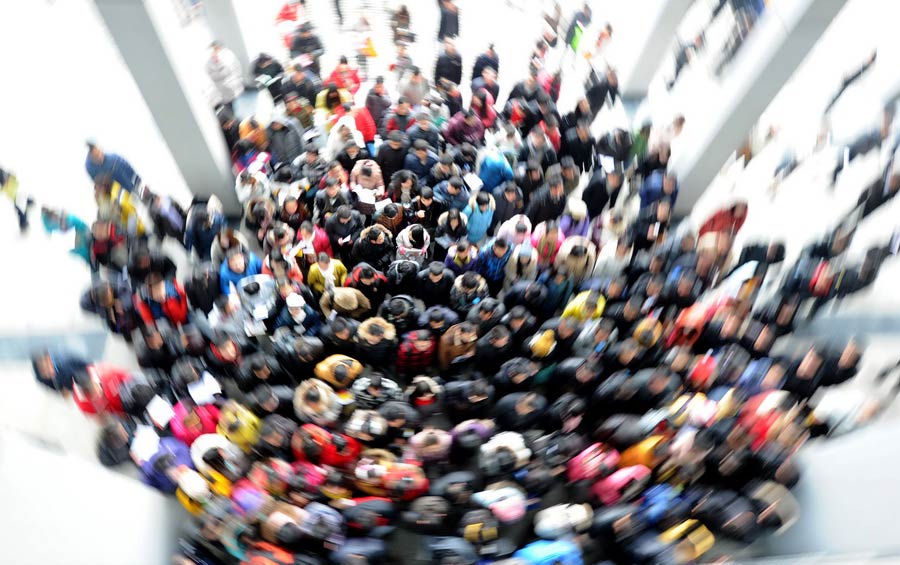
[313,239]
[97,389]
[345,77]
[159,298]
[417,352]
[729,220]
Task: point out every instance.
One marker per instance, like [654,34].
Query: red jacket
[348,79]
[174,308]
[365,123]
[723,221]
[410,360]
[320,242]
[109,378]
[554,136]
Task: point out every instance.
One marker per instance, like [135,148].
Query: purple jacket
[159,480]
[570,227]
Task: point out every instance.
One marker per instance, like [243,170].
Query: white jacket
[226,75]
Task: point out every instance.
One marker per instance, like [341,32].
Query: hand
[420,214]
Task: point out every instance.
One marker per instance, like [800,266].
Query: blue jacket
[311,324]
[201,237]
[652,190]
[479,222]
[412,163]
[491,267]
[495,170]
[116,167]
[227,277]
[459,201]
[66,365]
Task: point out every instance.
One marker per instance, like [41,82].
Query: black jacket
[307,89]
[448,67]
[582,152]
[449,23]
[504,209]
[348,162]
[390,160]
[432,213]
[336,230]
[479,83]
[543,207]
[434,293]
[482,62]
[595,195]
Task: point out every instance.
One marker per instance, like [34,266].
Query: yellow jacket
[576,307]
[316,280]
[119,208]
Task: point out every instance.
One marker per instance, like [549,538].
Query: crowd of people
[429,340]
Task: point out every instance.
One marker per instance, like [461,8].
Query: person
[548,202]
[537,148]
[285,140]
[344,77]
[400,24]
[579,144]
[224,70]
[238,265]
[308,47]
[269,72]
[461,257]
[464,127]
[378,100]
[449,63]
[299,83]
[425,130]
[420,161]
[602,189]
[449,24]
[491,264]
[110,166]
[487,80]
[452,193]
[400,119]
[487,60]
[458,345]
[480,212]
[414,87]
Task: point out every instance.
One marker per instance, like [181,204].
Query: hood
[482,285]
[346,299]
[365,328]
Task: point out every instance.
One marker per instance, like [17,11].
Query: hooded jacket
[420,169]
[160,480]
[494,170]
[526,272]
[408,250]
[285,144]
[579,267]
[458,267]
[447,236]
[462,301]
[460,201]
[379,256]
[346,302]
[480,221]
[109,401]
[382,354]
[508,232]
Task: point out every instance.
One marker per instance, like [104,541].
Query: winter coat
[414,93]
[482,62]
[349,79]
[336,143]
[207,416]
[450,348]
[461,301]
[460,201]
[420,169]
[110,379]
[457,131]
[227,277]
[432,213]
[595,193]
[446,236]
[160,480]
[336,230]
[325,207]
[226,75]
[449,25]
[316,279]
[412,361]
[506,210]
[570,227]
[285,144]
[479,221]
[308,88]
[491,267]
[379,256]
[390,160]
[582,152]
[516,273]
[378,104]
[484,326]
[557,293]
[494,170]
[545,155]
[432,293]
[374,182]
[66,365]
[722,221]
[543,207]
[609,265]
[393,121]
[576,307]
[652,190]
[406,249]
[579,267]
[217,252]
[116,167]
[346,302]
[431,136]
[174,308]
[459,268]
[382,354]
[449,67]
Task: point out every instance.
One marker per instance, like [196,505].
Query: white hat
[294,300]
[194,486]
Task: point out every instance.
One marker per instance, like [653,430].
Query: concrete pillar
[221,15]
[724,113]
[662,21]
[147,34]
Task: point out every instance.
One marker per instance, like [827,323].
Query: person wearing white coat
[225,72]
[342,132]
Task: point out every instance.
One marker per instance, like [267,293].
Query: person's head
[453,218]
[426,196]
[470,117]
[469,281]
[94,152]
[462,249]
[663,210]
[352,149]
[403,107]
[537,137]
[323,261]
[344,214]
[332,187]
[510,191]
[483,201]
[367,274]
[468,331]
[557,187]
[420,146]
[500,247]
[375,335]
[237,263]
[395,140]
[156,286]
[455,186]
[375,237]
